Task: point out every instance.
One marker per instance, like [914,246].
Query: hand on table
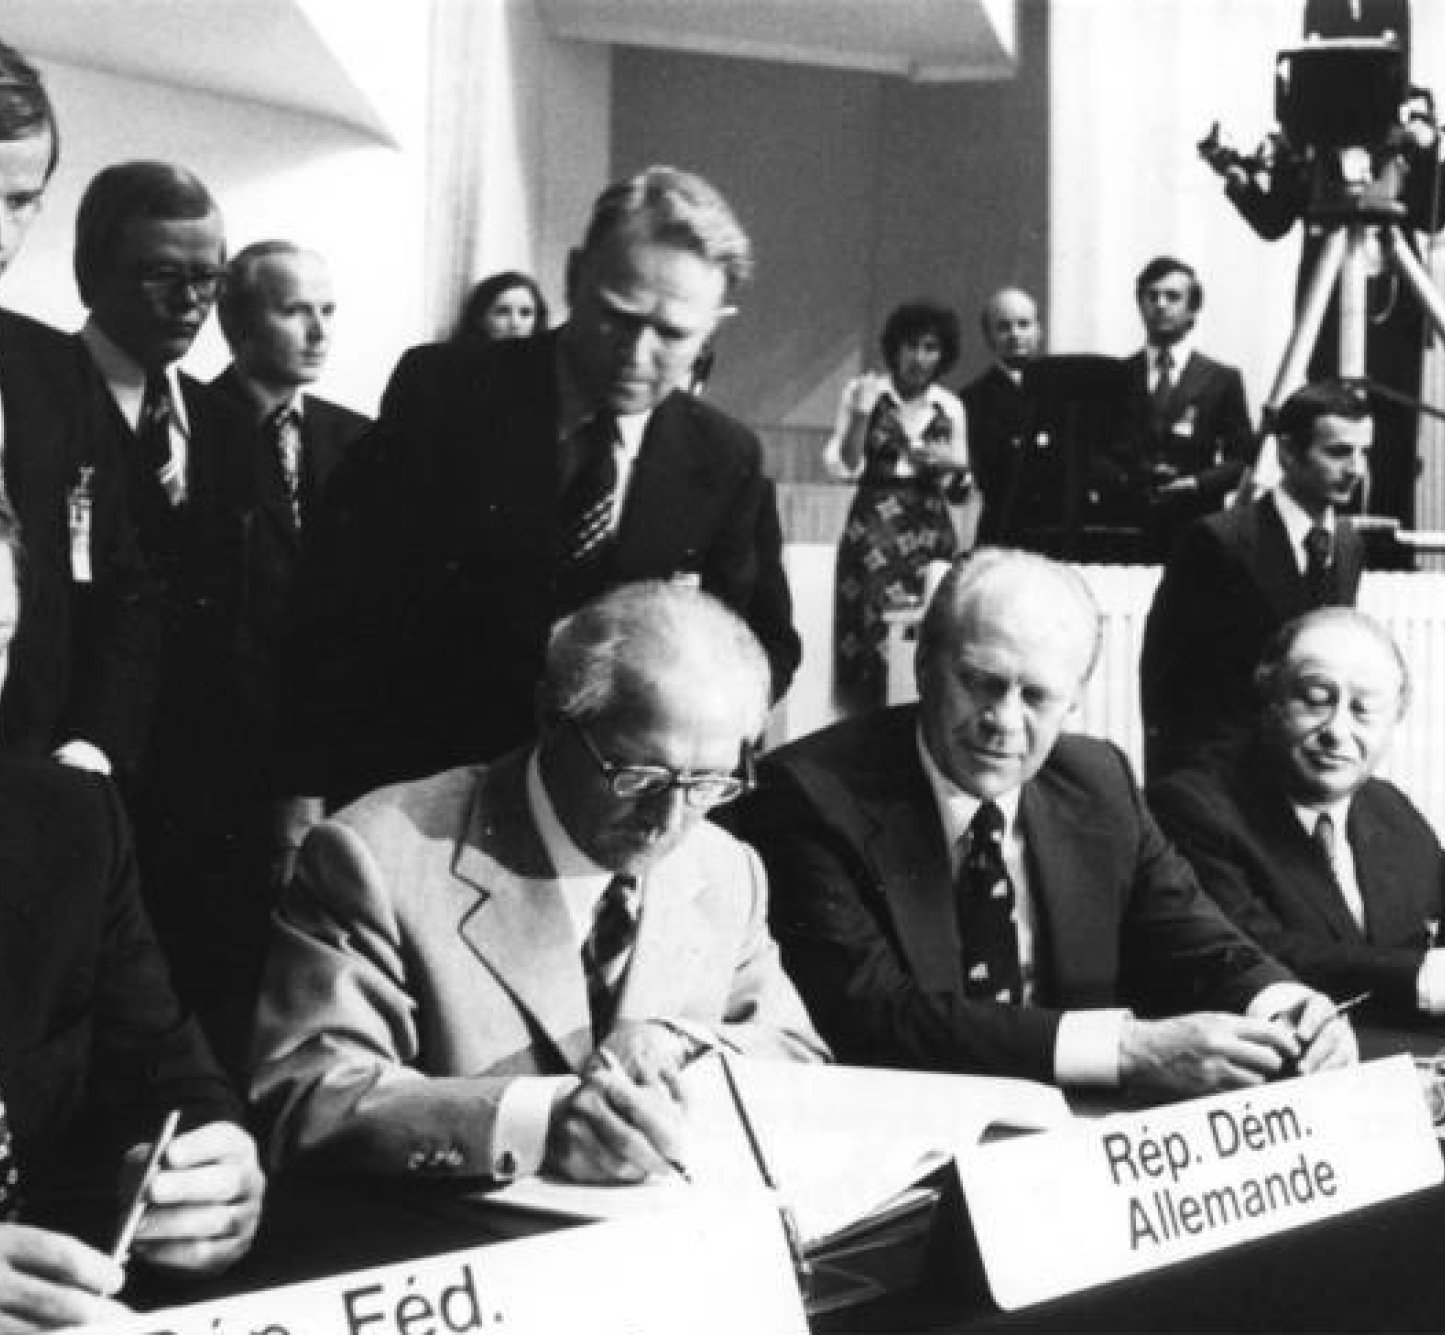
[49,1281]
[1205,1052]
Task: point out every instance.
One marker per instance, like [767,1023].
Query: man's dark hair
[25,107]
[1161,266]
[1295,422]
[123,193]
[911,321]
[237,298]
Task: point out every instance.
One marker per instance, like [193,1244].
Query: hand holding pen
[1325,1039]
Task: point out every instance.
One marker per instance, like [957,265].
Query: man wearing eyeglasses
[1329,868]
[960,887]
[456,955]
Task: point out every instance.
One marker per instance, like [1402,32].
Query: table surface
[1377,1269]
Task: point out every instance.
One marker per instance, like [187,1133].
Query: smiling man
[455,953]
[529,477]
[1235,578]
[1326,866]
[960,887]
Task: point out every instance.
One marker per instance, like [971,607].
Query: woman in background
[901,437]
[505,305]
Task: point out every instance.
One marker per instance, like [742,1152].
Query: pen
[791,1231]
[610,1063]
[1349,1004]
[136,1211]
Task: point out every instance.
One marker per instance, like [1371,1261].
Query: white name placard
[696,1270]
[1121,1195]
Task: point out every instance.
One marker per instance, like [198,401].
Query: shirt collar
[957,808]
[265,402]
[126,378]
[1297,522]
[1014,373]
[1338,812]
[1179,354]
[569,862]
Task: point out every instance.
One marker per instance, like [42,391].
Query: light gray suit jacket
[424,958]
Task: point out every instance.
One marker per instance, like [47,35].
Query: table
[1376,1269]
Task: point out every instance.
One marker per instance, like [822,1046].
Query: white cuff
[83,755]
[524,1116]
[1086,1051]
[1430,985]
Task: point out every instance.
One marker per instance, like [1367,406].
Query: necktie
[1317,564]
[153,436]
[588,501]
[991,968]
[1163,386]
[283,430]
[608,950]
[1326,839]
[9,1173]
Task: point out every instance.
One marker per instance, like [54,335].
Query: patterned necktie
[588,501]
[991,968]
[283,430]
[1317,564]
[153,436]
[608,950]
[9,1172]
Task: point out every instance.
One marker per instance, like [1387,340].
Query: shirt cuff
[1430,984]
[1276,999]
[524,1116]
[83,755]
[1086,1048]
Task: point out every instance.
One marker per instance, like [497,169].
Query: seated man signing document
[454,953]
[960,887]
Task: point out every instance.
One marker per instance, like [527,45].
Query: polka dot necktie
[987,935]
[9,1172]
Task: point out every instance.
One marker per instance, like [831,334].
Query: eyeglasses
[701,790]
[170,280]
[1312,699]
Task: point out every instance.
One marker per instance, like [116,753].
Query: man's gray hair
[617,648]
[970,574]
[679,209]
[1271,677]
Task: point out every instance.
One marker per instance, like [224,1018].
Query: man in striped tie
[1331,869]
[505,926]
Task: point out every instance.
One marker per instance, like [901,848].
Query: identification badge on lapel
[1185,425]
[79,507]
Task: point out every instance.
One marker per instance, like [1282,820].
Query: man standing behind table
[1187,434]
[83,666]
[537,474]
[94,1051]
[456,955]
[999,418]
[959,887]
[276,310]
[1235,578]
[1329,868]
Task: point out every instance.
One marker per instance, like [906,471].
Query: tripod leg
[1311,316]
[1354,302]
[1415,275]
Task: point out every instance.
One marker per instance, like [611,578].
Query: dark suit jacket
[1015,497]
[85,659]
[435,580]
[94,1048]
[863,903]
[1252,855]
[1229,584]
[1206,435]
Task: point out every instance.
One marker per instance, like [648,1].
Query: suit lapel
[1388,885]
[1272,559]
[671,937]
[512,914]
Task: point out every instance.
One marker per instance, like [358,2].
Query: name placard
[1102,1200]
[705,1270]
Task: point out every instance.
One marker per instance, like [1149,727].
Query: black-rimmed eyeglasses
[170,280]
[703,789]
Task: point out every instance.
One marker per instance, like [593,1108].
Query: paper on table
[842,1141]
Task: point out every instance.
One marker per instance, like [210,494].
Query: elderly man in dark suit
[959,887]
[1235,578]
[84,663]
[457,956]
[1329,868]
[1186,424]
[94,1051]
[529,477]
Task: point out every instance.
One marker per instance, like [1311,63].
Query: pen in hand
[610,1064]
[135,1212]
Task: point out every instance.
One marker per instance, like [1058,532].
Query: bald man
[960,887]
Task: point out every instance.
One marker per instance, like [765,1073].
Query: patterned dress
[898,523]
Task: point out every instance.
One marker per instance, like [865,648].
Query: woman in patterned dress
[901,436]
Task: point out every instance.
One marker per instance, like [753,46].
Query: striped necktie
[589,499]
[608,950]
